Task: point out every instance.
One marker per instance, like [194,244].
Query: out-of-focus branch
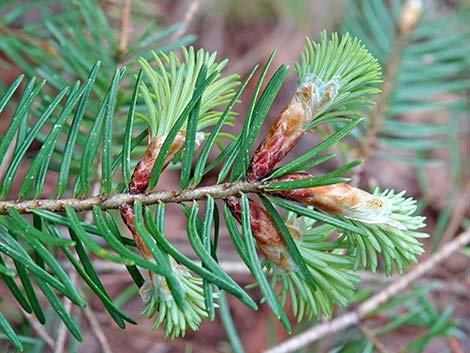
[21,36]
[97,330]
[124,32]
[376,117]
[40,330]
[369,334]
[188,17]
[410,13]
[352,318]
[62,331]
[459,209]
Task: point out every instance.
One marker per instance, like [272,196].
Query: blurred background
[420,143]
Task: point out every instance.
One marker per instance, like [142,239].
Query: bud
[265,233]
[280,140]
[311,98]
[141,176]
[327,80]
[127,215]
[155,292]
[386,208]
[409,16]
[157,296]
[323,266]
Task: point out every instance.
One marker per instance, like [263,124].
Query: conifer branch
[124,31]
[186,102]
[377,115]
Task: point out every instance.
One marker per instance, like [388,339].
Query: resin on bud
[316,94]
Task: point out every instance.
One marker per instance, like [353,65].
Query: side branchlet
[334,76]
[167,89]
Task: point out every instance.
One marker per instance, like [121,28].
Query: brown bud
[140,180]
[338,198]
[264,231]
[280,140]
[127,215]
[141,176]
[312,96]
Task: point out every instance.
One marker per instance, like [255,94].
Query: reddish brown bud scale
[338,198]
[141,176]
[295,194]
[264,231]
[327,198]
[127,215]
[140,180]
[280,140]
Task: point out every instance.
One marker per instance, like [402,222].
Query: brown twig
[454,345]
[220,191]
[460,207]
[62,330]
[97,330]
[370,336]
[40,330]
[124,32]
[354,317]
[188,17]
[239,268]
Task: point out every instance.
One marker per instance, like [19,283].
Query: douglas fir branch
[334,76]
[314,231]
